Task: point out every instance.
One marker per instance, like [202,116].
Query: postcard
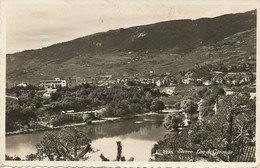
[129,83]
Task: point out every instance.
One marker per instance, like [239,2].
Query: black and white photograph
[127,81]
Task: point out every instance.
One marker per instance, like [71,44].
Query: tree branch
[66,154]
[85,151]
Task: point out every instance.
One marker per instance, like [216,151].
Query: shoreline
[48,128]
[106,119]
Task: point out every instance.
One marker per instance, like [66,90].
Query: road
[12,97]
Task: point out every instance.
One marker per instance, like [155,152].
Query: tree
[208,101]
[31,157]
[69,144]
[87,118]
[173,121]
[177,105]
[239,115]
[37,101]
[176,143]
[13,115]
[157,105]
[27,116]
[55,96]
[189,106]
[226,133]
[206,110]
[201,92]
[12,158]
[219,90]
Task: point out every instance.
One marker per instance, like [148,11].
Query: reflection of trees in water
[158,124]
[117,128]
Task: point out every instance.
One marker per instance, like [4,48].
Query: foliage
[201,92]
[173,121]
[207,92]
[206,111]
[31,157]
[16,116]
[69,144]
[55,96]
[12,158]
[20,90]
[119,101]
[157,105]
[177,105]
[12,115]
[57,120]
[202,74]
[87,118]
[189,106]
[210,98]
[218,91]
[231,129]
[27,116]
[194,117]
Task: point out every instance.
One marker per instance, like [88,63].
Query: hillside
[169,46]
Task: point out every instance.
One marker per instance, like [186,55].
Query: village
[167,82]
[172,89]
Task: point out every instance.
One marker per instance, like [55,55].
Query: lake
[137,135]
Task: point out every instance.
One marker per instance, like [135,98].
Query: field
[182,92]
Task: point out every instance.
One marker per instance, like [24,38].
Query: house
[218,79]
[108,77]
[57,82]
[159,83]
[74,81]
[48,93]
[166,81]
[188,74]
[118,80]
[187,78]
[169,90]
[71,82]
[218,72]
[22,84]
[186,81]
[207,83]
[95,113]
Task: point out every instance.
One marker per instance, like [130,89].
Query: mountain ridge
[180,37]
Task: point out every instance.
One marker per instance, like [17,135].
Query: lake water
[137,135]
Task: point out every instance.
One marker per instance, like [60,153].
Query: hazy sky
[40,23]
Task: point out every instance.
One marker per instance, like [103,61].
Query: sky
[32,24]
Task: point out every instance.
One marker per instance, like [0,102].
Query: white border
[121,164]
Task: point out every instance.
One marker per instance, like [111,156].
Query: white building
[22,84]
[207,83]
[169,90]
[47,84]
[159,83]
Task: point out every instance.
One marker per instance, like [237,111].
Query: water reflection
[120,128]
[137,138]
